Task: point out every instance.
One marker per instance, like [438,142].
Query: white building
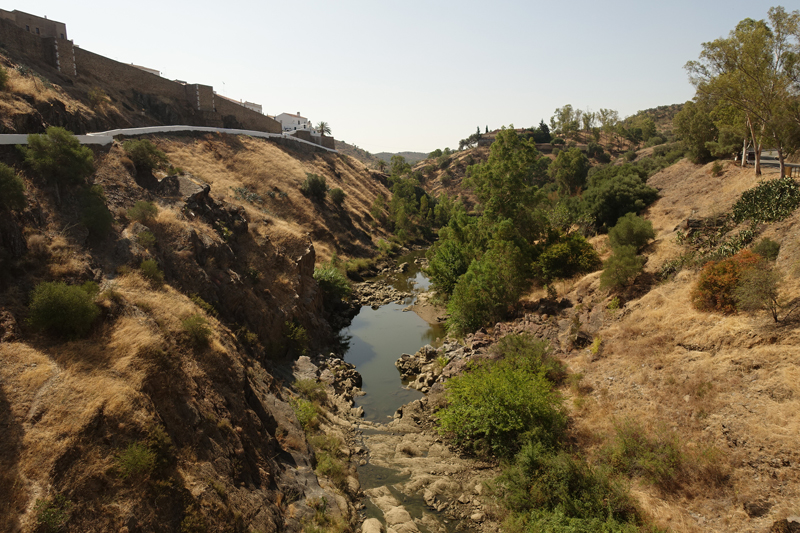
[291,122]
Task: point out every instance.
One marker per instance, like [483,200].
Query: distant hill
[370,160]
[411,157]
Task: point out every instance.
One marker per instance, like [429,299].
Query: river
[378,337]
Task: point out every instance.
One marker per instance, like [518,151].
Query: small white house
[292,122]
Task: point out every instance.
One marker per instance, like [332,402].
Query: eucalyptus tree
[753,70]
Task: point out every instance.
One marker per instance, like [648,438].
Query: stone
[477,517]
[372,525]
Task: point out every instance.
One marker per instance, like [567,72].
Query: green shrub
[334,284]
[718,280]
[95,214]
[146,239]
[98,98]
[143,211]
[631,230]
[196,328]
[136,461]
[557,140]
[12,190]
[58,156]
[497,405]
[609,199]
[64,310]
[306,413]
[315,187]
[550,490]
[769,201]
[151,272]
[296,337]
[533,350]
[621,268]
[3,78]
[311,389]
[331,467]
[767,248]
[204,305]
[565,256]
[145,155]
[337,196]
[716,168]
[630,155]
[52,514]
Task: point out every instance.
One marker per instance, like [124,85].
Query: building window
[62,35]
[27,28]
[37,31]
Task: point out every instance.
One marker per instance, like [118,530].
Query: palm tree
[324,128]
[381,165]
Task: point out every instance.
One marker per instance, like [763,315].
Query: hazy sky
[413,75]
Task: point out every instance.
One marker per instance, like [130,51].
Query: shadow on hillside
[11,492]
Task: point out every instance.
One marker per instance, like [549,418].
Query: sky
[414,75]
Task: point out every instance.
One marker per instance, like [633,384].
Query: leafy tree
[694,126]
[752,70]
[381,165]
[12,190]
[631,230]
[145,155]
[58,157]
[622,267]
[615,192]
[504,183]
[489,288]
[569,170]
[64,310]
[324,128]
[398,166]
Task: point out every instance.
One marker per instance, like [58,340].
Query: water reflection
[378,337]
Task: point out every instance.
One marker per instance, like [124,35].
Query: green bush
[337,196]
[759,289]
[196,328]
[716,168]
[143,211]
[146,239]
[767,248]
[306,412]
[489,288]
[718,280]
[58,156]
[314,187]
[145,155]
[497,405]
[609,199]
[769,201]
[550,490]
[12,190]
[95,214]
[334,284]
[52,514]
[296,337]
[64,310]
[565,256]
[136,461]
[621,268]
[3,78]
[631,230]
[311,389]
[151,272]
[535,351]
[98,98]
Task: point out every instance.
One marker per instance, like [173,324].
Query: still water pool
[378,337]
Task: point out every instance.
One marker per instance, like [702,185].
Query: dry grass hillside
[723,391]
[168,415]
